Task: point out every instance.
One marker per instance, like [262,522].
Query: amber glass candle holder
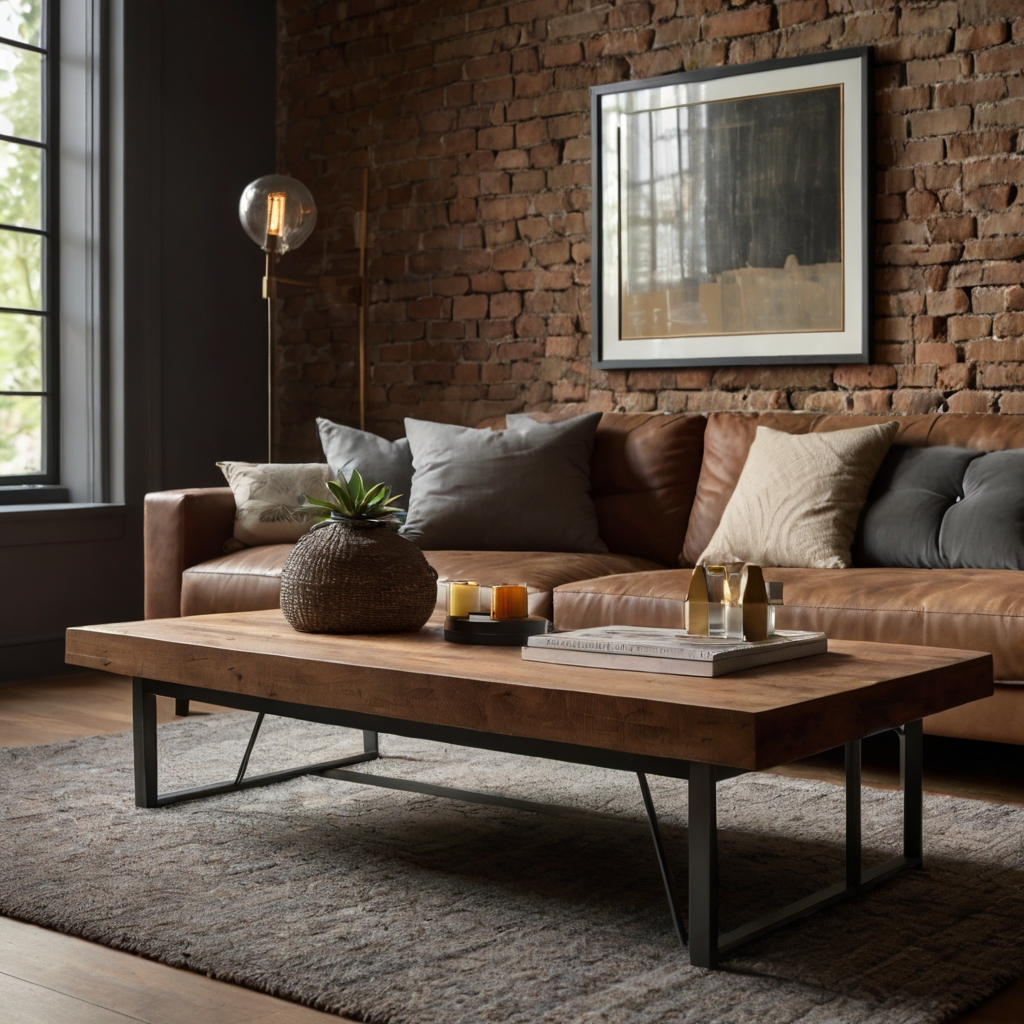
[509,601]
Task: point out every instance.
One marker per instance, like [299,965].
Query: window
[28,401]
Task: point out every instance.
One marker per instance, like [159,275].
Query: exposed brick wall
[473,117]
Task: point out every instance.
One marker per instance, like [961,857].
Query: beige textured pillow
[268,498]
[797,500]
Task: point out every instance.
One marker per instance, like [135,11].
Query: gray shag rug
[399,908]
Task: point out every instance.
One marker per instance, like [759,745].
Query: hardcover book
[673,651]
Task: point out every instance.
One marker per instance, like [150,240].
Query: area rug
[399,908]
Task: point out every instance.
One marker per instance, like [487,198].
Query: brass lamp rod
[363,298]
[270,293]
[358,291]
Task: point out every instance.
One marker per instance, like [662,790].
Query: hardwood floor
[47,977]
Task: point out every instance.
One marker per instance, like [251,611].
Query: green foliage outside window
[21,253]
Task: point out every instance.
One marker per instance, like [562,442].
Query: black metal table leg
[248,750]
[370,742]
[912,778]
[666,872]
[147,793]
[703,828]
[181,707]
[853,820]
[144,737]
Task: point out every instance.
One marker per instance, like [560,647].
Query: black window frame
[49,231]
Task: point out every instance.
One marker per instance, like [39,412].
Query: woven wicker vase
[357,579]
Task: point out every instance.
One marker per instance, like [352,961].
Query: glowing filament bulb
[275,213]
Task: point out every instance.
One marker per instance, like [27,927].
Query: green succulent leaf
[355,502]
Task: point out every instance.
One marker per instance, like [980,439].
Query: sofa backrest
[728,437]
[643,475]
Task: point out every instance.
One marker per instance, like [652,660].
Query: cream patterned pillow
[797,500]
[268,498]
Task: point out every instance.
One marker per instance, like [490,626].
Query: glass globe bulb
[277,212]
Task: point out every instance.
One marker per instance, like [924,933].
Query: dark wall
[187,321]
[201,127]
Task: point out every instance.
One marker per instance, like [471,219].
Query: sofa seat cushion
[966,609]
[541,571]
[250,580]
[244,581]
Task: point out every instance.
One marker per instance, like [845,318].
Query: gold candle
[509,601]
[463,598]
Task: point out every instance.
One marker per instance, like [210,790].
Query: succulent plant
[356,504]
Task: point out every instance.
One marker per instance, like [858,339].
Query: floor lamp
[279,214]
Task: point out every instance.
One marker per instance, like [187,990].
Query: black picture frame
[611,350]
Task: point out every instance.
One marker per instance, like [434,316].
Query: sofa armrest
[182,529]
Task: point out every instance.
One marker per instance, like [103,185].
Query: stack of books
[644,649]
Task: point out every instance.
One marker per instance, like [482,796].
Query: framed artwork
[731,215]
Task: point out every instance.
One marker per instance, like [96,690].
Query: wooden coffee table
[701,730]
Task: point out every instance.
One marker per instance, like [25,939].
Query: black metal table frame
[700,933]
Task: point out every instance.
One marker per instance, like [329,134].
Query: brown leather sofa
[660,484]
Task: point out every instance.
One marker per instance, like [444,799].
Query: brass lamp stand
[278,213]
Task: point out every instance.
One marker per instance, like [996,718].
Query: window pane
[20,19]
[21,263]
[21,352]
[21,93]
[21,435]
[21,185]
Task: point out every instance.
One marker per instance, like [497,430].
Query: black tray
[494,632]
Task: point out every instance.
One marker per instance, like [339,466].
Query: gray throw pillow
[910,496]
[377,459]
[985,530]
[503,490]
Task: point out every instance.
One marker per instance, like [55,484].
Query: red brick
[994,171]
[511,258]
[921,204]
[920,255]
[917,376]
[935,352]
[970,401]
[911,401]
[1009,223]
[1008,325]
[487,282]
[1002,58]
[910,98]
[951,229]
[940,122]
[994,249]
[948,302]
[964,328]
[549,253]
[499,137]
[489,67]
[920,18]
[427,308]
[741,22]
[978,37]
[565,53]
[529,133]
[801,12]
[980,90]
[470,307]
[507,208]
[899,303]
[955,376]
[506,305]
[972,144]
[871,401]
[991,197]
[864,376]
